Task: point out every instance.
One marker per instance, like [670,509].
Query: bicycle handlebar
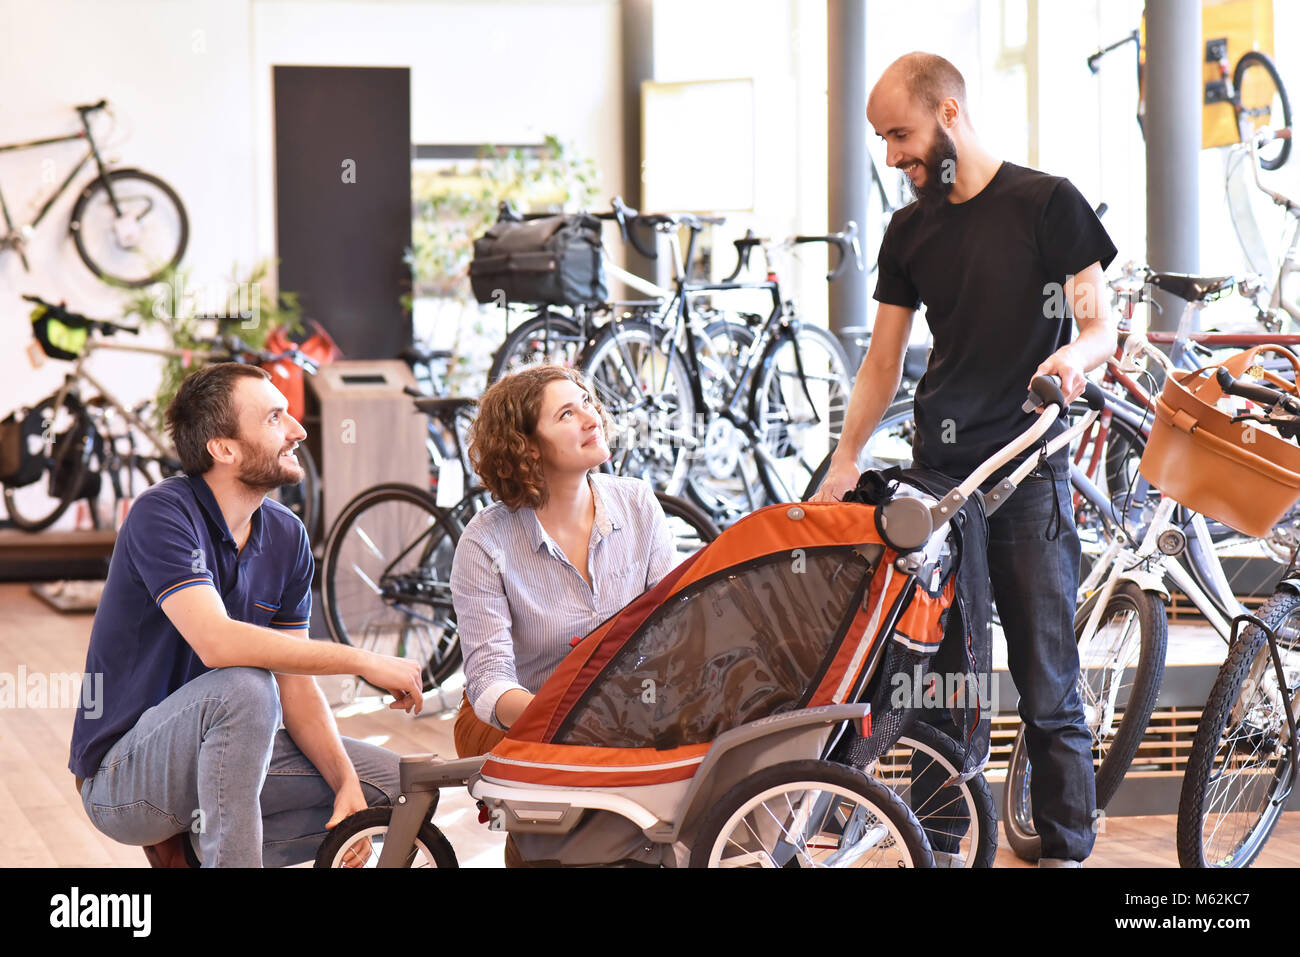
[1093,58]
[79,320]
[1260,394]
[846,241]
[1045,390]
[1261,137]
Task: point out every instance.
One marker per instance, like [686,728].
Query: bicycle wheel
[810,814]
[958,819]
[1018,805]
[303,499]
[72,450]
[546,337]
[646,389]
[386,575]
[723,477]
[1119,680]
[889,445]
[1240,763]
[798,405]
[691,527]
[129,227]
[358,840]
[1262,103]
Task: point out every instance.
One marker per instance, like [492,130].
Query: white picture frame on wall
[697,145]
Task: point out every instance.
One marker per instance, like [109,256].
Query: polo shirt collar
[208,502]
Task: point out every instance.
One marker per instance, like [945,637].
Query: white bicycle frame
[1289,264]
[79,373]
[1145,564]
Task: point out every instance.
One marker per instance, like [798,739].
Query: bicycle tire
[373,822]
[797,406]
[632,371]
[691,526]
[370,606]
[1253,721]
[723,477]
[1276,100]
[959,821]
[888,445]
[157,262]
[1017,810]
[1114,760]
[903,834]
[66,466]
[547,337]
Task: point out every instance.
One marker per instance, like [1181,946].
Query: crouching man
[212,725]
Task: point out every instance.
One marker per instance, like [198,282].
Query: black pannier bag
[21,458]
[554,261]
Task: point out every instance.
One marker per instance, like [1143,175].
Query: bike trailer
[789,610]
[1233,472]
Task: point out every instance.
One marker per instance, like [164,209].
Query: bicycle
[728,411]
[129,227]
[1242,764]
[559,334]
[1277,274]
[79,442]
[1252,88]
[1131,576]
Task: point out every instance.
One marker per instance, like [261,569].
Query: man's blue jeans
[1034,582]
[213,761]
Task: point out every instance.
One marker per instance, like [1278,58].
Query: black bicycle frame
[1283,690]
[84,134]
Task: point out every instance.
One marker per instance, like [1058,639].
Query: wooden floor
[42,823]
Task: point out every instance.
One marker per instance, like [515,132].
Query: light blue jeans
[213,761]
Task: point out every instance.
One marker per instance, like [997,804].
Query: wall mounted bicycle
[129,226]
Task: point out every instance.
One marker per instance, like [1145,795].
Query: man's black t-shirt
[991,272]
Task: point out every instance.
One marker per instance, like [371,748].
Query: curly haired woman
[562,548]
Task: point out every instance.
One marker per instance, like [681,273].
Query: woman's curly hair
[501,438]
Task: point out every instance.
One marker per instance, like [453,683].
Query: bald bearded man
[992,248]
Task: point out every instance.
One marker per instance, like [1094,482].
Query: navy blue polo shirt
[175,537]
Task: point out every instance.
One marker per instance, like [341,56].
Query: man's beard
[940,171]
[266,473]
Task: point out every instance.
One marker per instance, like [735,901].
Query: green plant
[455,205]
[252,309]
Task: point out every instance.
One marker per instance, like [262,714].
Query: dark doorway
[343,200]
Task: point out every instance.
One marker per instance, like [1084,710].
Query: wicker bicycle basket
[1236,473]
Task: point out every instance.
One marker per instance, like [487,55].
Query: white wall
[177,77]
[190,81]
[480,72]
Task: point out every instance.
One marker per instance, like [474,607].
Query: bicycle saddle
[1191,288]
[444,406]
[415,354]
